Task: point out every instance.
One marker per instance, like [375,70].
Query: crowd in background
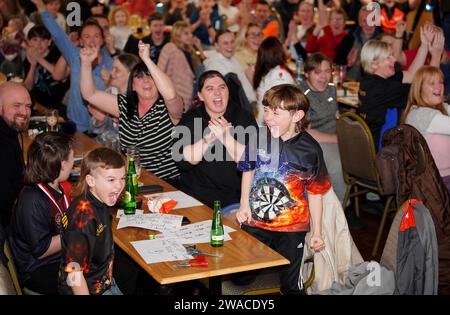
[134,70]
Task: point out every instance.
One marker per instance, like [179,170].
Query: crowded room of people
[176,147]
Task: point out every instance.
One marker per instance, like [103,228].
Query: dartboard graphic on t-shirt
[269,198]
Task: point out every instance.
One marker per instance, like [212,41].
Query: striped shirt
[152,134]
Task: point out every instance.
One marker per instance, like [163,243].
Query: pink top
[439,145]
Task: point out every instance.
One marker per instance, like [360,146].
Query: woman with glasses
[247,52]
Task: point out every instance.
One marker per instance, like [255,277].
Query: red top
[326,44]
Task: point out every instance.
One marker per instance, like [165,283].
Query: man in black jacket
[15,111]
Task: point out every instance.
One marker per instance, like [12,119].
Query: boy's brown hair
[45,155]
[100,157]
[288,97]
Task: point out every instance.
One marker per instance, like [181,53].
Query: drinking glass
[342,73]
[137,163]
[52,119]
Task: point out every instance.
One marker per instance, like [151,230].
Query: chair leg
[380,229]
[346,196]
[356,200]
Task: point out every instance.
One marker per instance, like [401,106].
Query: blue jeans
[113,289]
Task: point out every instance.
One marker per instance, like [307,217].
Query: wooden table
[347,95]
[242,253]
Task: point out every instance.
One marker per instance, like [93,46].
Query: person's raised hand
[219,126]
[105,75]
[144,51]
[427,32]
[400,28]
[40,5]
[88,55]
[437,45]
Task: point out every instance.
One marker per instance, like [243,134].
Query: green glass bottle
[217,236]
[129,199]
[132,170]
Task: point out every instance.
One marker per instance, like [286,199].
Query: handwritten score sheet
[155,251]
[152,221]
[194,233]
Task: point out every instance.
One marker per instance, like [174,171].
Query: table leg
[215,285]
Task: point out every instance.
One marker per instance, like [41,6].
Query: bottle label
[217,237]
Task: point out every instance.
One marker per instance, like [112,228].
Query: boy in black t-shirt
[39,65]
[283,183]
[87,241]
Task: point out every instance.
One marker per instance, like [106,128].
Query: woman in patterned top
[147,112]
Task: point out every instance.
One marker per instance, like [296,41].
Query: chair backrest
[356,148]
[12,267]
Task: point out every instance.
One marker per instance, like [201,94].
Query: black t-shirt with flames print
[87,245]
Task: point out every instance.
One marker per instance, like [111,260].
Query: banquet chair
[357,151]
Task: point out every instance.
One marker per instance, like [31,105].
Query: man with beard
[15,110]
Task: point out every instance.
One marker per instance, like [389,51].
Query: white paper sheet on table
[152,221]
[154,251]
[120,212]
[184,200]
[194,233]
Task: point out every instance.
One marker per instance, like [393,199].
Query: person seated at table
[383,86]
[103,125]
[147,112]
[180,62]
[392,11]
[53,7]
[223,60]
[299,175]
[322,113]
[206,174]
[266,21]
[427,112]
[177,10]
[300,28]
[90,35]
[15,111]
[37,220]
[206,21]
[118,19]
[329,36]
[247,53]
[157,38]
[361,35]
[11,41]
[86,265]
[270,70]
[405,57]
[39,66]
